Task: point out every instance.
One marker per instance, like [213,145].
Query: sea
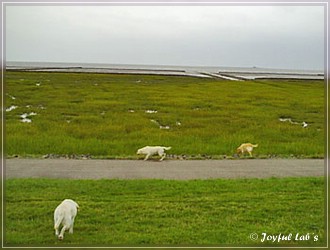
[228,73]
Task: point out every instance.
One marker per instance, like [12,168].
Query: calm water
[226,72]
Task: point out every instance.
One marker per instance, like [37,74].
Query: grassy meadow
[110,116]
[163,212]
[106,115]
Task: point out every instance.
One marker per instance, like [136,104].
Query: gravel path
[168,169]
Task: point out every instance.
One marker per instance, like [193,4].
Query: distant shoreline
[225,73]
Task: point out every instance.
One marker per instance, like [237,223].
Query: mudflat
[168,169]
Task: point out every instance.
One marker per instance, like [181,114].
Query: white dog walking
[152,150]
[65,214]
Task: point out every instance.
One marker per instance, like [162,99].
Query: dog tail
[256,145]
[167,148]
[77,206]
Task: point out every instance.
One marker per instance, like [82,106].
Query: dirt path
[170,169]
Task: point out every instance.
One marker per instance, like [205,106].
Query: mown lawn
[163,212]
[104,115]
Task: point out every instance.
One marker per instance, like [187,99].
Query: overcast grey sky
[288,37]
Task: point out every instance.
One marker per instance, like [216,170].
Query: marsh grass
[104,115]
[163,212]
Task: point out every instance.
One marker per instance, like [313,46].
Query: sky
[283,37]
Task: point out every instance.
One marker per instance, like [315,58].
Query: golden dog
[246,147]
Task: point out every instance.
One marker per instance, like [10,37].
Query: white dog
[152,150]
[65,214]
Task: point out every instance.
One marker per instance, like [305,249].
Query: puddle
[287,120]
[303,124]
[11,108]
[26,120]
[12,97]
[164,127]
[25,117]
[160,126]
[151,111]
[39,107]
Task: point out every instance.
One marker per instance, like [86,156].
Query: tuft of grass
[104,115]
[163,212]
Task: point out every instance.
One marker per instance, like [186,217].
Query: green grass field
[163,212]
[105,115]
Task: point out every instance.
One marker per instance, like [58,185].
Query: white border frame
[191,3]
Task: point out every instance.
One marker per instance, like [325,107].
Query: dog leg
[71,226]
[162,154]
[147,157]
[162,157]
[61,236]
[56,226]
